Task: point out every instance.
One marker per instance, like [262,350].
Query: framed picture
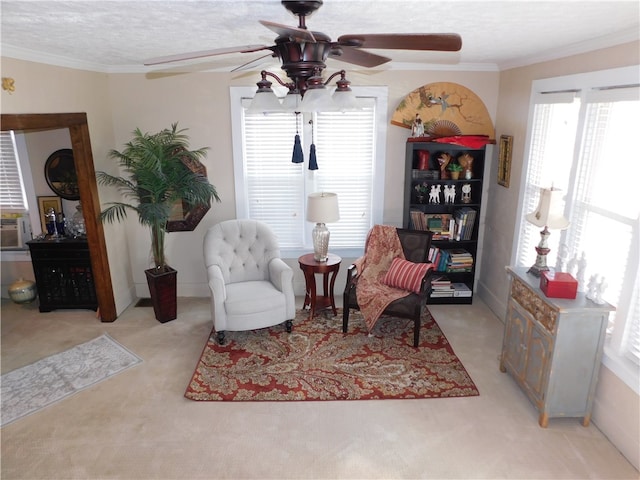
[44,204]
[504,160]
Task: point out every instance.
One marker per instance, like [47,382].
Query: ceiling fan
[303,52]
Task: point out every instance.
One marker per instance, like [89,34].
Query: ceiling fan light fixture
[265,100]
[345,100]
[343,97]
[292,101]
[317,99]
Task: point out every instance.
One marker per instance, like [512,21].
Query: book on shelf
[445,226]
[461,290]
[465,219]
[450,260]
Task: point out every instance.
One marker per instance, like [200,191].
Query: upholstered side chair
[251,286]
[415,246]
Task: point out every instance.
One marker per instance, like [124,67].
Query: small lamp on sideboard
[322,208]
[549,216]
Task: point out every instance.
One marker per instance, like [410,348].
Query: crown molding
[597,43]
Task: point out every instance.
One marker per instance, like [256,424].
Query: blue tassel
[313,163]
[298,156]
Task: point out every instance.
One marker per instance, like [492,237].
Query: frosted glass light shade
[264,102]
[345,100]
[291,102]
[316,100]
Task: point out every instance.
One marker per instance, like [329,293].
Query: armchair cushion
[406,275]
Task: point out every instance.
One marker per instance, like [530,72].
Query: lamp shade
[345,101]
[317,99]
[322,207]
[548,213]
[265,101]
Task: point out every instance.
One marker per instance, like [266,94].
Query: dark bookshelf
[454,219]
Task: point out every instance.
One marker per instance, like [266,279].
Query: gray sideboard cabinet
[552,347]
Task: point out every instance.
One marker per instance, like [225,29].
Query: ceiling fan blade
[253,63]
[205,53]
[358,57]
[446,42]
[294,33]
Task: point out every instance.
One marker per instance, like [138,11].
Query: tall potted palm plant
[157,178]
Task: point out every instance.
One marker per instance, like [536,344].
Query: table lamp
[548,215]
[322,207]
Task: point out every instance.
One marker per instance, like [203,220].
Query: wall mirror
[185,217]
[60,173]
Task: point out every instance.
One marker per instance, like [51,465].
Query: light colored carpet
[33,387]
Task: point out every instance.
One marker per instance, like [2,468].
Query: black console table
[64,279]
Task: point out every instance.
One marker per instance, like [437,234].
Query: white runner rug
[30,388]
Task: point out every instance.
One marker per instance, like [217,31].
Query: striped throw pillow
[405,274]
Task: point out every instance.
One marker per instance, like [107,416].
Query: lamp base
[320,235]
[537,271]
[541,258]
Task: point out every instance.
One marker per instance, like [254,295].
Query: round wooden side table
[329,269]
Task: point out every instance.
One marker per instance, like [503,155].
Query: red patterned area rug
[316,361]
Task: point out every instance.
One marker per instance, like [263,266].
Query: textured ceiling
[117,36]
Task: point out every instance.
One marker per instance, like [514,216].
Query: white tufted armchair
[251,286]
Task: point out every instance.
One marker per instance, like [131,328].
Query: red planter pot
[163,290]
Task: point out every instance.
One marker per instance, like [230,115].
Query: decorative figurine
[444,160]
[466,193]
[582,268]
[466,162]
[434,195]
[561,260]
[602,286]
[572,265]
[449,193]
[417,129]
[591,287]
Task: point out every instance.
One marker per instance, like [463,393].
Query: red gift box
[558,285]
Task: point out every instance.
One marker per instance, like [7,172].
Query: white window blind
[273,184]
[270,188]
[578,146]
[12,194]
[345,145]
[551,152]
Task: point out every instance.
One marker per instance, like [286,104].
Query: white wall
[200,102]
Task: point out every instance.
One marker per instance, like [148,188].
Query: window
[582,131]
[12,193]
[350,150]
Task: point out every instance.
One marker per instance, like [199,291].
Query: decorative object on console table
[45,206]
[548,215]
[558,285]
[322,208]
[552,347]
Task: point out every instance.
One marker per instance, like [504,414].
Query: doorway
[83,159]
